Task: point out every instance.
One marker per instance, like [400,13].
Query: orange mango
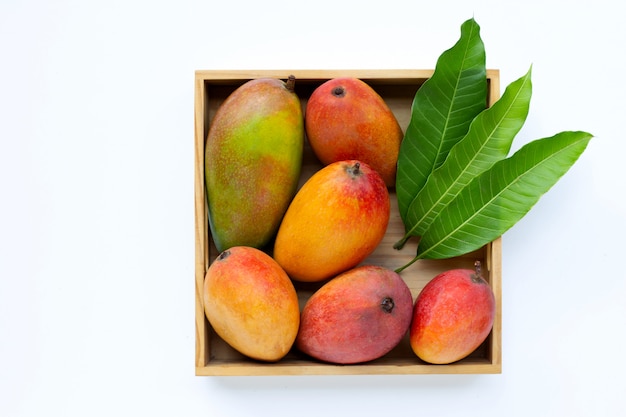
[334,222]
[251,303]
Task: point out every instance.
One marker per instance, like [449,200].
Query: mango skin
[251,303]
[253,157]
[452,316]
[356,317]
[347,119]
[333,223]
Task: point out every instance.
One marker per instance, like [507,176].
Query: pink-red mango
[452,316]
[347,119]
[358,316]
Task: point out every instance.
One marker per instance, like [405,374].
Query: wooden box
[398,88]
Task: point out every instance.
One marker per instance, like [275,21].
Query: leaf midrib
[495,197]
[465,169]
[455,97]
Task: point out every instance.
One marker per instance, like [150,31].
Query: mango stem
[291,83]
[478,268]
[387,304]
[478,274]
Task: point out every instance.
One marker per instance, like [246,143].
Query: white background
[96,188]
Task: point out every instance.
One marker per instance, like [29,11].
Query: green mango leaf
[488,141]
[441,113]
[498,198]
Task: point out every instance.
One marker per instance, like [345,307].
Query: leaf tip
[471,22]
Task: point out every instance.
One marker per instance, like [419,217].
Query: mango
[251,303]
[347,119]
[253,157]
[452,316]
[334,222]
[358,316]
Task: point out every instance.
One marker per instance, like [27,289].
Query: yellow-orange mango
[334,222]
[251,303]
[358,316]
[346,118]
[452,316]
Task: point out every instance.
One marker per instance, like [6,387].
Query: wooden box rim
[206,367]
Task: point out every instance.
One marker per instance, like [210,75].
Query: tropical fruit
[251,303]
[253,159]
[358,316]
[334,222]
[347,119]
[452,316]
